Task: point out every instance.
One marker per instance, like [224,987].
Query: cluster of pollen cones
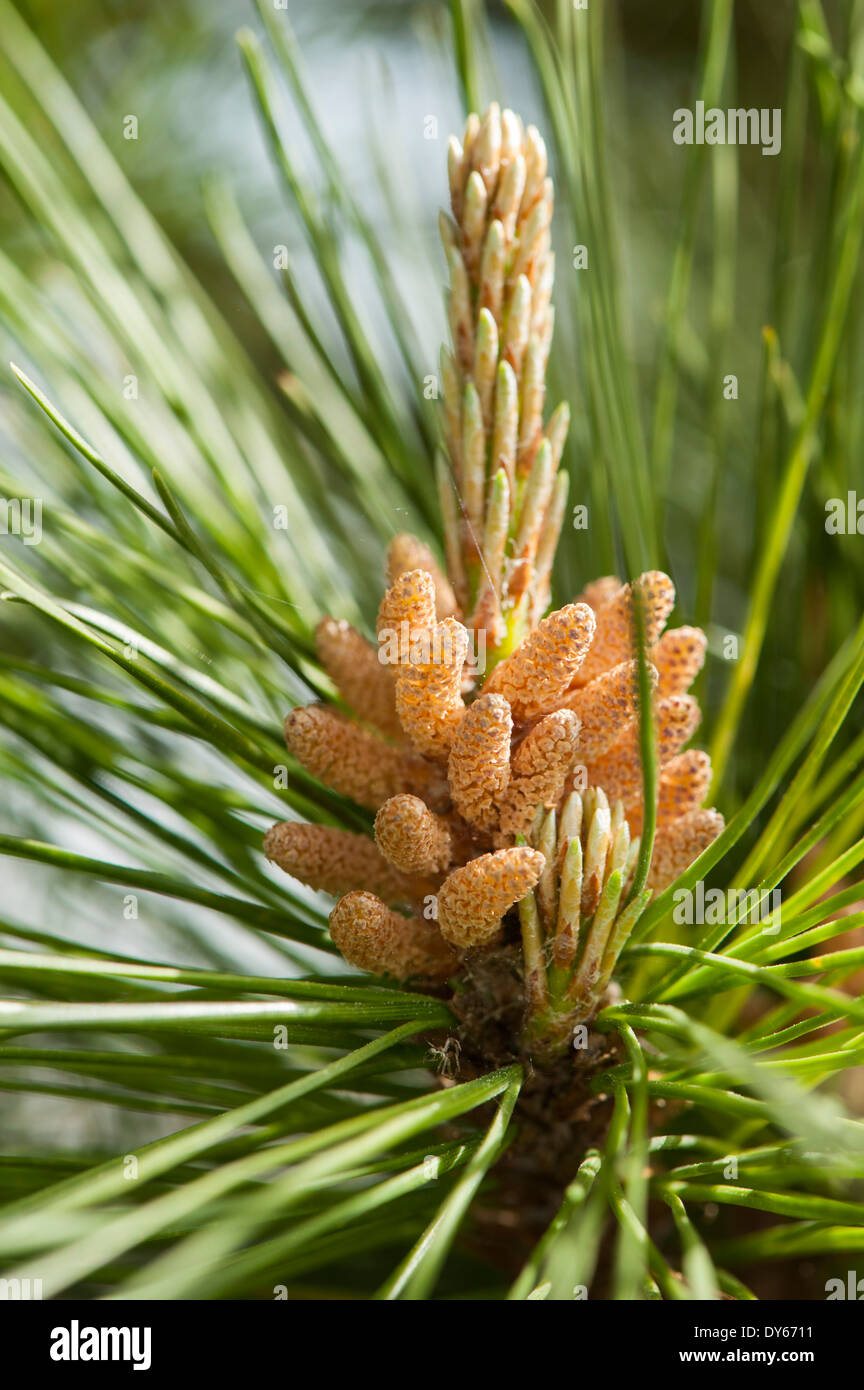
[535,783]
[514,782]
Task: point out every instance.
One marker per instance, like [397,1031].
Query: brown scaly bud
[333,861]
[678,656]
[411,837]
[351,761]
[374,938]
[353,666]
[479,767]
[541,765]
[605,706]
[678,844]
[409,600]
[614,639]
[473,899]
[537,675]
[681,787]
[619,770]
[429,690]
[407,553]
